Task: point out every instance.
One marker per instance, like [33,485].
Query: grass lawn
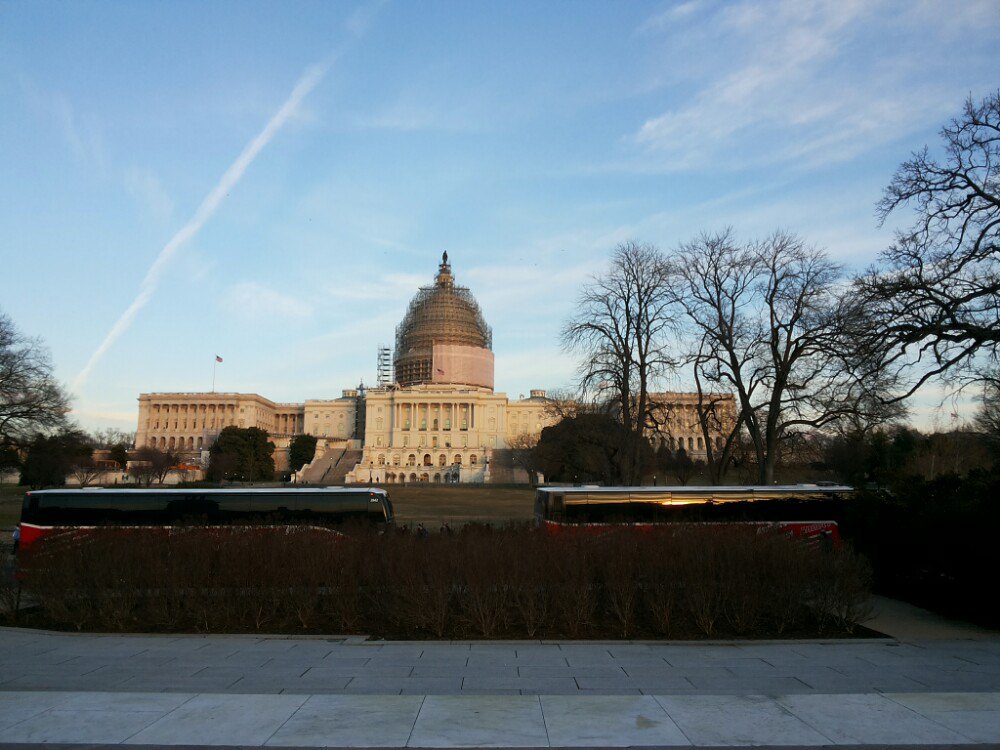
[428,504]
[10,505]
[432,504]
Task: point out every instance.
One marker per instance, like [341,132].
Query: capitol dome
[443,337]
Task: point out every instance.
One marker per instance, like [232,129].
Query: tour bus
[47,511]
[806,510]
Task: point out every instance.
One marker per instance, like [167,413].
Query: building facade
[439,421]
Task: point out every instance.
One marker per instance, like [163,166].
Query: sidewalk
[448,721]
[340,692]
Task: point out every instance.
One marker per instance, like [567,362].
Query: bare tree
[718,420]
[85,470]
[987,419]
[30,398]
[110,437]
[621,329]
[522,447]
[152,464]
[766,324]
[932,308]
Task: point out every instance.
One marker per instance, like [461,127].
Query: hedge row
[481,583]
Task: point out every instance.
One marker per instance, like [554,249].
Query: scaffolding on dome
[439,314]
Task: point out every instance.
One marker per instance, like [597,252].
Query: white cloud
[362,17]
[147,190]
[82,133]
[253,300]
[665,19]
[414,110]
[803,83]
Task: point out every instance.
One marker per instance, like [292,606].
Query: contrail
[212,201]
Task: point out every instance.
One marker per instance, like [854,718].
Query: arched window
[171,443]
[442,460]
[437,477]
[472,459]
[381,459]
[458,459]
[200,443]
[413,477]
[411,460]
[701,444]
[428,461]
[424,477]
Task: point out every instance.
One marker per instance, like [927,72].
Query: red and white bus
[46,512]
[805,510]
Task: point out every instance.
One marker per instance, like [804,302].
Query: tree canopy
[31,400]
[931,307]
[301,451]
[620,327]
[589,447]
[763,320]
[243,454]
[50,458]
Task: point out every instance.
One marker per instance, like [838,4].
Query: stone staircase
[503,470]
[338,471]
[318,470]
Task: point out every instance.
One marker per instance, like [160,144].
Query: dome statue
[443,322]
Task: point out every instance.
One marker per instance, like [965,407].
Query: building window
[472,459]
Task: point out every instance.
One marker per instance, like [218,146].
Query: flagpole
[215,363]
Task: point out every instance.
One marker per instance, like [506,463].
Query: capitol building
[437,419]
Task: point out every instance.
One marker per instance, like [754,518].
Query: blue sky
[525,138]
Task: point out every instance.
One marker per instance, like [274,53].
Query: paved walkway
[908,622]
[168,690]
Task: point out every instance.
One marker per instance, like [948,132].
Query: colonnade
[435,416]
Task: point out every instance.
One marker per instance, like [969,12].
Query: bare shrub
[842,583]
[576,597]
[700,557]
[741,554]
[486,593]
[619,560]
[531,585]
[661,581]
[481,583]
[785,569]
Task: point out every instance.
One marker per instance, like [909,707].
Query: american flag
[218,358]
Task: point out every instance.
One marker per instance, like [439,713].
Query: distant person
[445,528]
[422,532]
[17,537]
